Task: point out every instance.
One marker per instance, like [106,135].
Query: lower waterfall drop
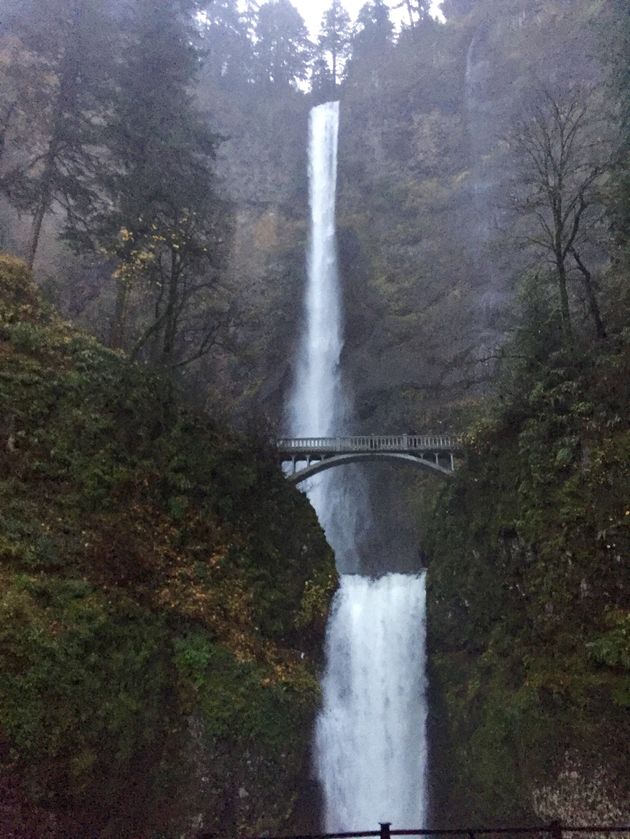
[371,745]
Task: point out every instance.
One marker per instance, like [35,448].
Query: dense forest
[164,591]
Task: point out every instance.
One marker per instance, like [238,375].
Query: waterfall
[318,405]
[370,738]
[485,113]
[479,128]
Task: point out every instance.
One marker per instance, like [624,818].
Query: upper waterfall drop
[317,406]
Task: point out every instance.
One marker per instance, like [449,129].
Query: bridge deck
[409,443]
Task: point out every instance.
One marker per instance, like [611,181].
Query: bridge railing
[555,830]
[370,443]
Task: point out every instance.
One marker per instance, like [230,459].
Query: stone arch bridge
[308,456]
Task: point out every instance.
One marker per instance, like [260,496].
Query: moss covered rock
[164,594]
[529,599]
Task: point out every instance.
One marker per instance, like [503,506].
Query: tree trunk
[66,98]
[170,325]
[6,124]
[119,321]
[46,196]
[593,305]
[565,314]
[36,230]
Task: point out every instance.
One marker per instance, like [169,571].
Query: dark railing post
[555,830]
[385,830]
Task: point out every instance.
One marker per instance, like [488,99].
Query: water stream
[370,747]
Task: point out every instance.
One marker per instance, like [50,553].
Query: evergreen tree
[335,38]
[455,8]
[282,49]
[161,221]
[371,43]
[373,31]
[228,50]
[56,81]
[251,9]
[417,10]
[621,79]
[322,84]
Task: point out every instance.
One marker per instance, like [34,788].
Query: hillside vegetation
[529,588]
[163,598]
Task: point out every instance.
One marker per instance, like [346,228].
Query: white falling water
[317,406]
[370,740]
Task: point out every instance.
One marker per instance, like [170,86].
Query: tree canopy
[282,46]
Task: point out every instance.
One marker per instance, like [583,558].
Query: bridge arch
[431,452]
[315,468]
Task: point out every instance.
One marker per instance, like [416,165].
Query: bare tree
[560,162]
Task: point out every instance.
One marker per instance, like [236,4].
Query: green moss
[528,587]
[156,604]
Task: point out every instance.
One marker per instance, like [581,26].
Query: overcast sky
[312,10]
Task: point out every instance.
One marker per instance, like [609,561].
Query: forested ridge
[153,176]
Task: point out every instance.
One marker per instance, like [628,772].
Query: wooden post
[385,830]
[555,829]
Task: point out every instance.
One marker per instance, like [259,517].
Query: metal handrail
[555,830]
[374,442]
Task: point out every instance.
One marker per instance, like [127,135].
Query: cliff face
[528,604]
[262,166]
[428,248]
[425,199]
[160,620]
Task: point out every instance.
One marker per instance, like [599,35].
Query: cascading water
[371,743]
[479,126]
[485,112]
[370,740]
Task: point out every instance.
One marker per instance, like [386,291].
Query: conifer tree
[455,8]
[417,10]
[335,38]
[621,80]
[371,42]
[58,72]
[160,224]
[322,86]
[228,51]
[373,30]
[282,48]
